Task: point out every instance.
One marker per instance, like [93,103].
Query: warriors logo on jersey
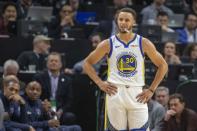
[126,64]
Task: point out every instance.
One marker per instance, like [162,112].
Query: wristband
[151,90]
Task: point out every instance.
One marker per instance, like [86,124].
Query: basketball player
[125,101]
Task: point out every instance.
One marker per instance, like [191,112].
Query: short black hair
[162,13]
[5,6]
[128,10]
[189,49]
[177,96]
[188,14]
[96,34]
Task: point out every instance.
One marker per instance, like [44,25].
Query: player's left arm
[150,50]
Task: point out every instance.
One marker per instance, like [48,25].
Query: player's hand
[145,96]
[108,88]
[169,114]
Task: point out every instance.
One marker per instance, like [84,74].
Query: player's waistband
[126,86]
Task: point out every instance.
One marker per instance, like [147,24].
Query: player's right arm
[102,50]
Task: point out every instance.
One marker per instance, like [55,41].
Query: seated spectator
[120,3]
[14,105]
[95,39]
[37,116]
[193,7]
[8,20]
[190,54]
[11,67]
[162,20]
[57,86]
[189,33]
[2,111]
[178,117]
[75,6]
[162,96]
[170,53]
[64,22]
[35,59]
[107,27]
[150,12]
[23,6]
[156,114]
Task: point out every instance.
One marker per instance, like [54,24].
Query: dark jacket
[36,116]
[105,27]
[188,122]
[16,113]
[64,94]
[31,58]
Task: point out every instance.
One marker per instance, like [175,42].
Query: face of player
[125,22]
[33,91]
[176,105]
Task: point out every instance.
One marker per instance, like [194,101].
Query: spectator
[2,111]
[23,6]
[57,86]
[178,117]
[14,105]
[36,115]
[11,67]
[8,19]
[35,59]
[107,27]
[95,39]
[170,53]
[162,20]
[150,12]
[162,96]
[190,54]
[193,7]
[63,23]
[120,3]
[189,33]
[75,6]
[156,114]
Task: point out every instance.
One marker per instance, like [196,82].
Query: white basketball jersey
[126,62]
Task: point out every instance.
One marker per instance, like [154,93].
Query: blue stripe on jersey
[140,44]
[111,47]
[126,45]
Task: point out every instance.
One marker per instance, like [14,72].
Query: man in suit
[57,86]
[35,59]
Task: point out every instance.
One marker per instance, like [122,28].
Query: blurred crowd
[46,103]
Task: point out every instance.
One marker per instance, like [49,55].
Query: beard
[124,30]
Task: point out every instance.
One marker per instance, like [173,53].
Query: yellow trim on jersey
[143,70]
[105,120]
[108,68]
